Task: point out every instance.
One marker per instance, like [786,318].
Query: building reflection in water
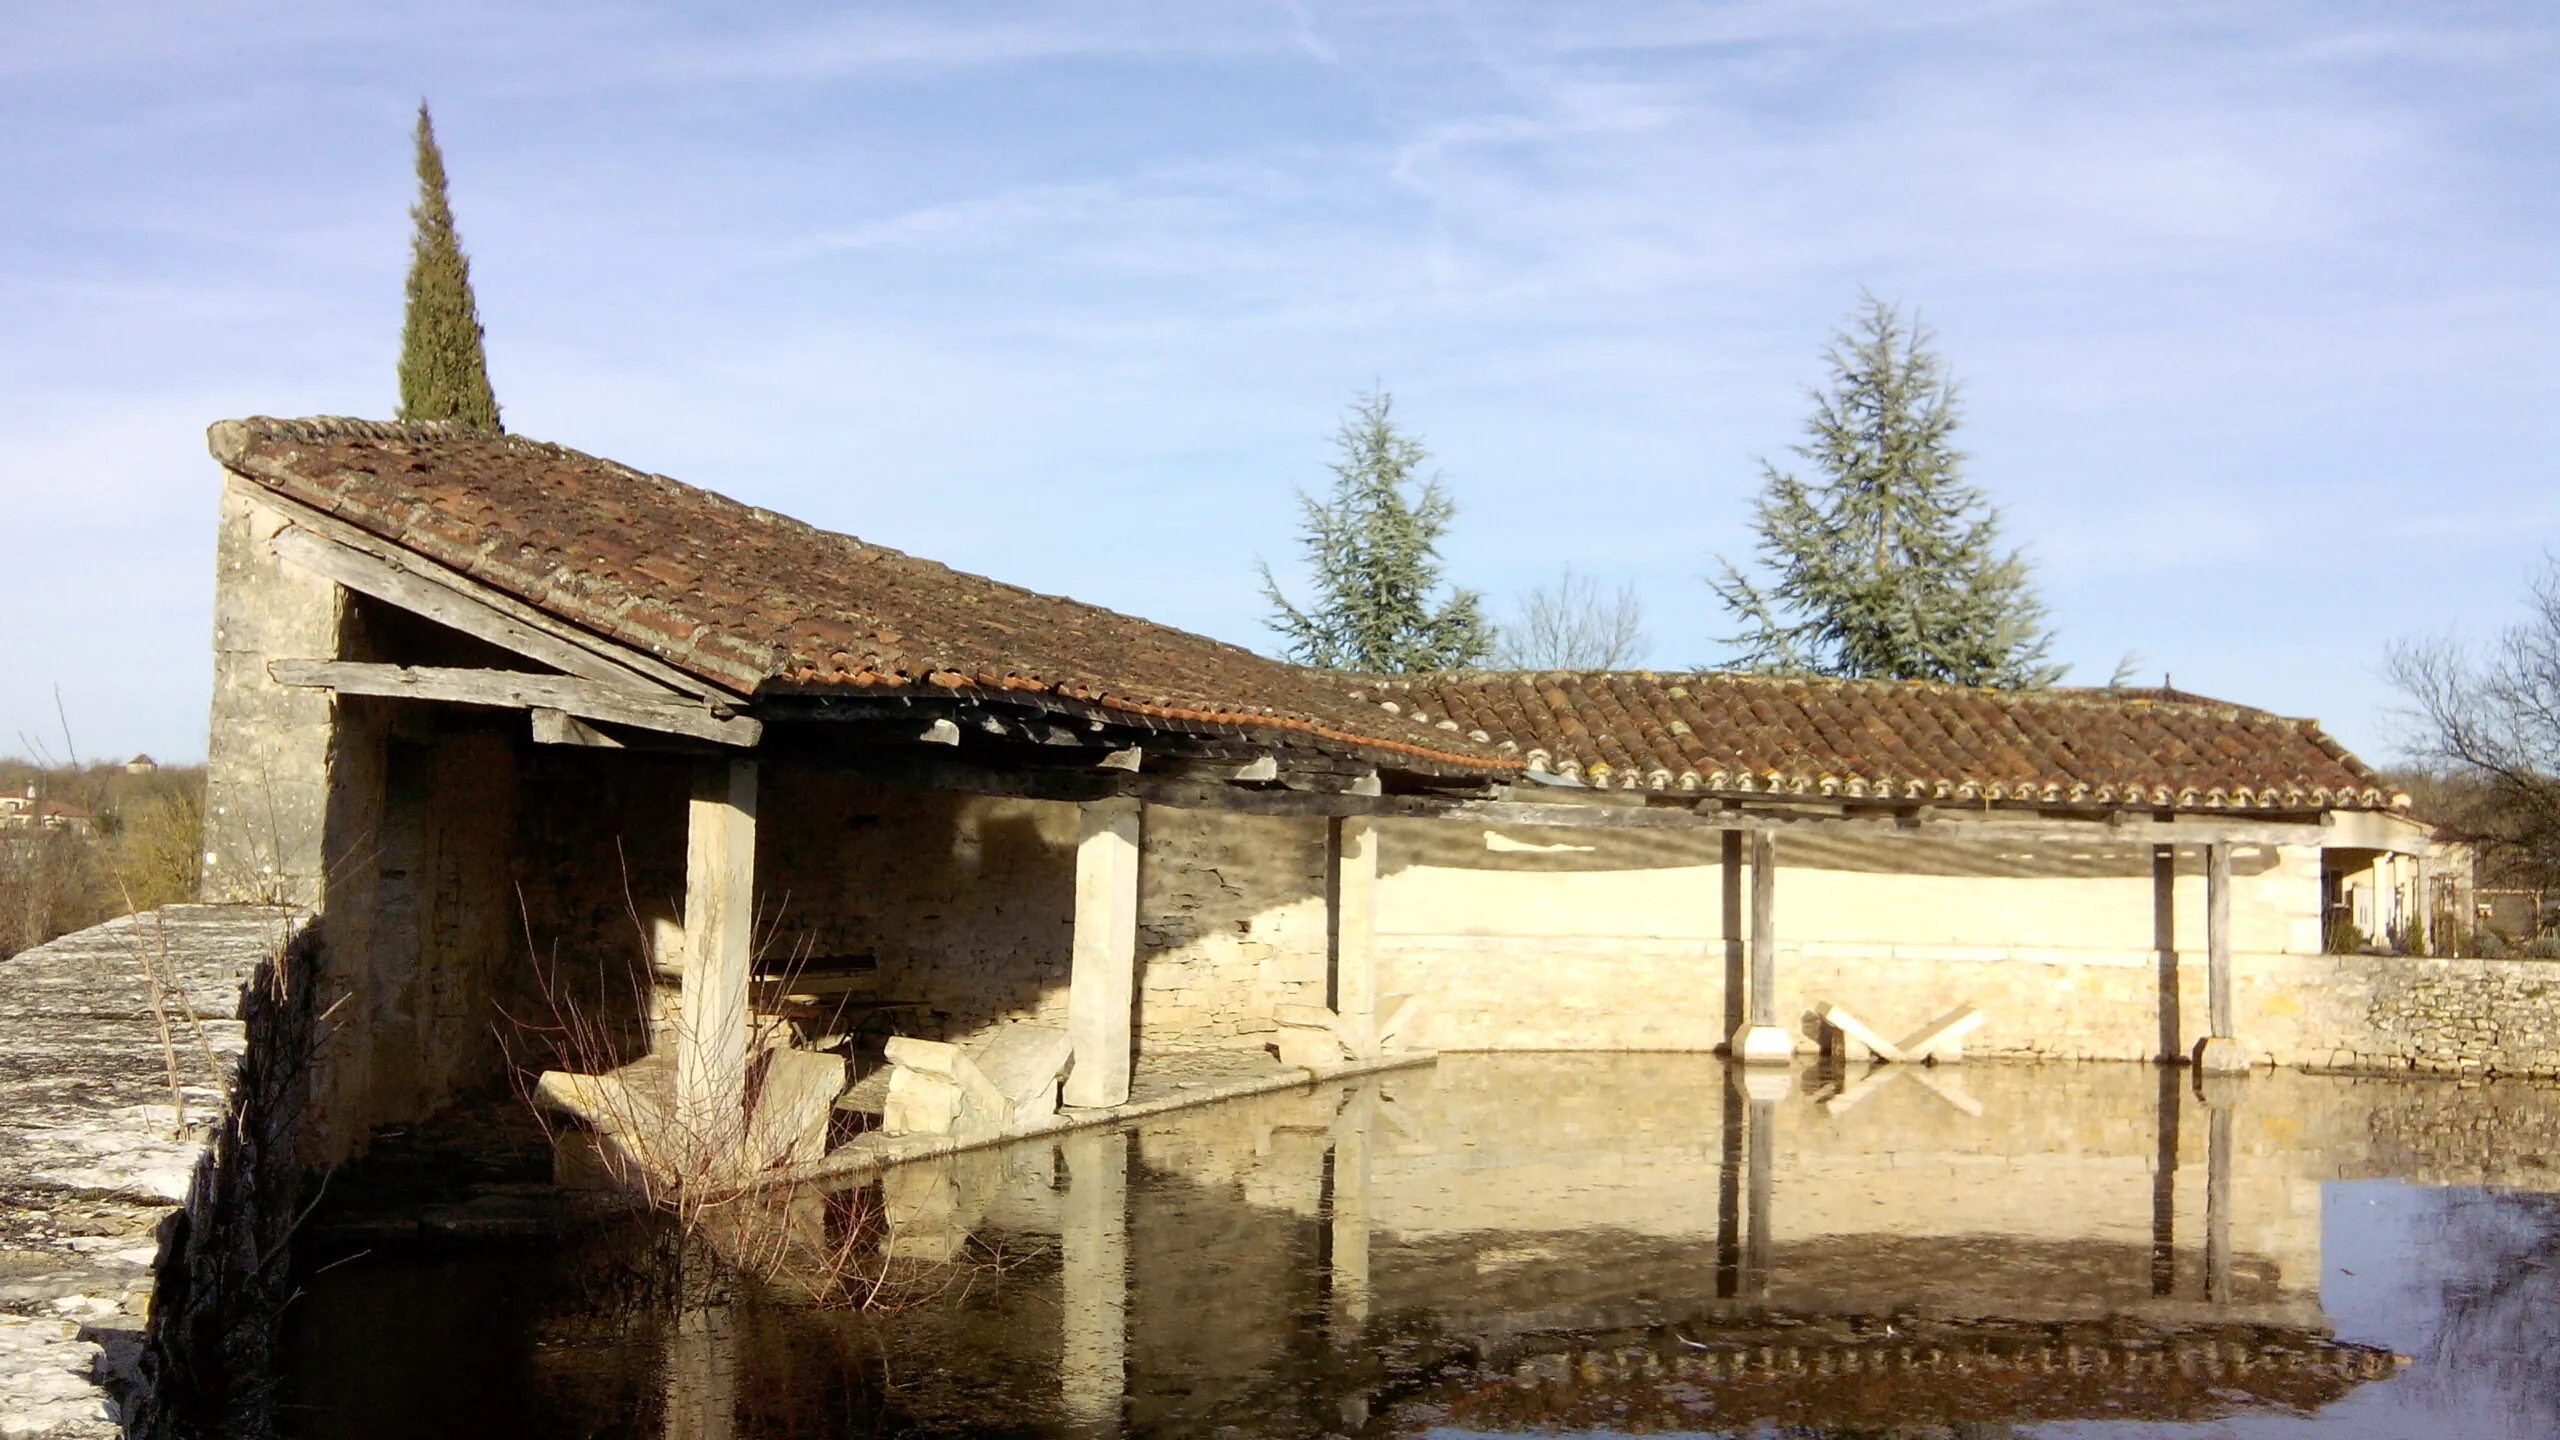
[1639,1242]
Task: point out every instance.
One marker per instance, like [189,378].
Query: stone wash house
[535,733]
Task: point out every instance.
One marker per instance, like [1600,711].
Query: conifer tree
[1374,548]
[1886,564]
[444,374]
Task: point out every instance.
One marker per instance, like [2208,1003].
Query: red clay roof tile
[1749,734]
[761,603]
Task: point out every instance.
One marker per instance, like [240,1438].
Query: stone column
[2219,1052]
[1354,893]
[1093,1280]
[2164,951]
[2426,922]
[1737,960]
[1763,1042]
[1102,981]
[719,945]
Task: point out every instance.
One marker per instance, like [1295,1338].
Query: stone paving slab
[93,1148]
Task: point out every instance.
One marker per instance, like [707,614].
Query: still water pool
[1589,1244]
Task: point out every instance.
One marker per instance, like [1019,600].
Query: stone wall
[1231,925]
[967,904]
[2402,1013]
[107,1120]
[1523,938]
[964,902]
[268,754]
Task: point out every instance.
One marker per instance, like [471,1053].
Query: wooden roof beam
[520,690]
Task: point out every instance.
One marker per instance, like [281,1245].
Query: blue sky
[2256,306]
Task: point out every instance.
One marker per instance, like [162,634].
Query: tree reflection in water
[2497,1299]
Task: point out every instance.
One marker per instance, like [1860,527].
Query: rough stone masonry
[94,1149]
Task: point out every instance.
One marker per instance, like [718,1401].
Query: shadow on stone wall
[209,1363]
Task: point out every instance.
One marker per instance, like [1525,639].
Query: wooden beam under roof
[520,690]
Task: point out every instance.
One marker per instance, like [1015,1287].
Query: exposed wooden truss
[521,690]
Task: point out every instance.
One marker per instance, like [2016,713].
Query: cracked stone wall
[967,904]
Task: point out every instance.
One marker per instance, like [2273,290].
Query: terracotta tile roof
[1882,739]
[760,603]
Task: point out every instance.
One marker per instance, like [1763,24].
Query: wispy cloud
[2255,290]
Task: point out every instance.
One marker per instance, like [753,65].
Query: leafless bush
[2491,717]
[158,856]
[829,1247]
[1573,627]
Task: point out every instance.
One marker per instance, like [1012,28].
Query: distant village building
[141,765]
[31,811]
[529,728]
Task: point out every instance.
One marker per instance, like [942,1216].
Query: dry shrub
[835,1248]
[158,855]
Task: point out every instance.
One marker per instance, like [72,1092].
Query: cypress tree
[1375,553]
[444,373]
[1887,564]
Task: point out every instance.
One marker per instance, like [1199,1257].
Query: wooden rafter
[519,690]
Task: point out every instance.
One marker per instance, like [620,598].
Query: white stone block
[1024,1063]
[920,1103]
[789,1123]
[1309,1048]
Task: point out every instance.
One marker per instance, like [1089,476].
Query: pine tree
[1887,564]
[444,374]
[1375,554]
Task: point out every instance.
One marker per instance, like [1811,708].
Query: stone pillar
[1353,890]
[2219,1052]
[1763,1042]
[1102,981]
[2426,924]
[719,943]
[1737,960]
[2164,950]
[1093,1279]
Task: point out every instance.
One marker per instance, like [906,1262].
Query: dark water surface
[1608,1244]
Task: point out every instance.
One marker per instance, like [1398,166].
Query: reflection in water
[1093,1280]
[1625,1242]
